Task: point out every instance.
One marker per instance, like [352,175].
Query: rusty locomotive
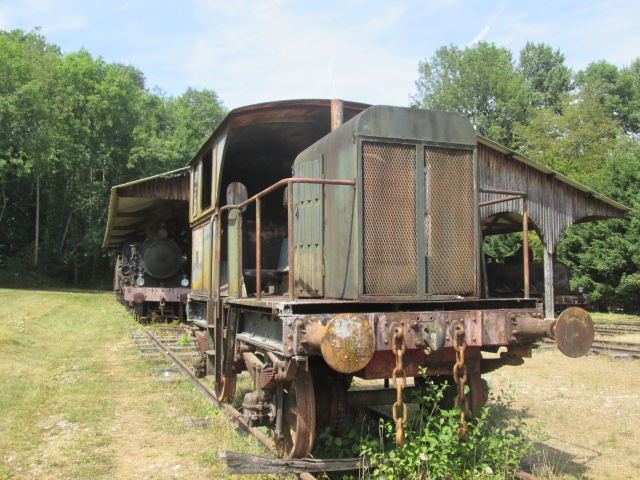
[151,273]
[333,240]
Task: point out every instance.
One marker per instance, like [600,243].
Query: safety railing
[288,182]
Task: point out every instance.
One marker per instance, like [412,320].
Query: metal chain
[399,347]
[460,377]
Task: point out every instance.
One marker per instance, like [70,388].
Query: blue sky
[361,50]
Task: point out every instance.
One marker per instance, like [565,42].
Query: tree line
[583,124]
[73,125]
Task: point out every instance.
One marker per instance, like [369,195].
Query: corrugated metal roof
[132,205]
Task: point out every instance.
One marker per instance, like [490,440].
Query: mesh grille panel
[390,251]
[449,222]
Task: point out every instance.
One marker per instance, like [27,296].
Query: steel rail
[210,396]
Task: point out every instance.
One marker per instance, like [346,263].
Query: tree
[30,95]
[548,78]
[604,257]
[618,91]
[480,82]
[71,127]
[174,128]
[575,142]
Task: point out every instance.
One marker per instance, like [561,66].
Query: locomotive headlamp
[185,281]
[140,281]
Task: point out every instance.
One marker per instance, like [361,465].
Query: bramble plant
[492,449]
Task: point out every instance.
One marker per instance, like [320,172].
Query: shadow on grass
[558,457]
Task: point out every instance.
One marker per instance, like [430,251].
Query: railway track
[616,329]
[628,350]
[173,350]
[209,394]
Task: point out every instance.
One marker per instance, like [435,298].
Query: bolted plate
[348,343]
[574,332]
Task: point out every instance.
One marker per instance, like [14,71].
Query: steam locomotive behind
[150,279]
[148,223]
[506,280]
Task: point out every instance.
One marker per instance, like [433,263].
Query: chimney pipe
[337,114]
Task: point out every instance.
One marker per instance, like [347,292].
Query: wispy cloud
[492,19]
[365,50]
[292,51]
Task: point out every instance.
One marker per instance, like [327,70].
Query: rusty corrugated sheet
[135,204]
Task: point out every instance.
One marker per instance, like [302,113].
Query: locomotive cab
[409,229]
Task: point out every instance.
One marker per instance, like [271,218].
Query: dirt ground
[589,408]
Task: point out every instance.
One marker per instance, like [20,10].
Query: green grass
[613,317]
[76,400]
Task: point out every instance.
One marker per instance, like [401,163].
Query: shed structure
[135,205]
[518,194]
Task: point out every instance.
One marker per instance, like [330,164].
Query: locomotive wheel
[226,389]
[299,416]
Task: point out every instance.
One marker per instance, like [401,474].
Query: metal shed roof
[134,205]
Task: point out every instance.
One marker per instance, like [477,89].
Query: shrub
[493,447]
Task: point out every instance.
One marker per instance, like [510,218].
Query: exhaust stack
[337,114]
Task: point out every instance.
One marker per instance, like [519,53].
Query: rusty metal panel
[449,221]
[206,258]
[197,256]
[390,243]
[234,238]
[308,229]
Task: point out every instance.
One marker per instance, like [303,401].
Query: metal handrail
[257,199]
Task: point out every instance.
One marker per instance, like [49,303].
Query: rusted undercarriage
[302,358]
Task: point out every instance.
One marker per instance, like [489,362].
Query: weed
[345,446]
[492,449]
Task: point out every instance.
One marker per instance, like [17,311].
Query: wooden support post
[549,294]
[525,246]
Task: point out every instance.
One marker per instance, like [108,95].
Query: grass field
[77,402]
